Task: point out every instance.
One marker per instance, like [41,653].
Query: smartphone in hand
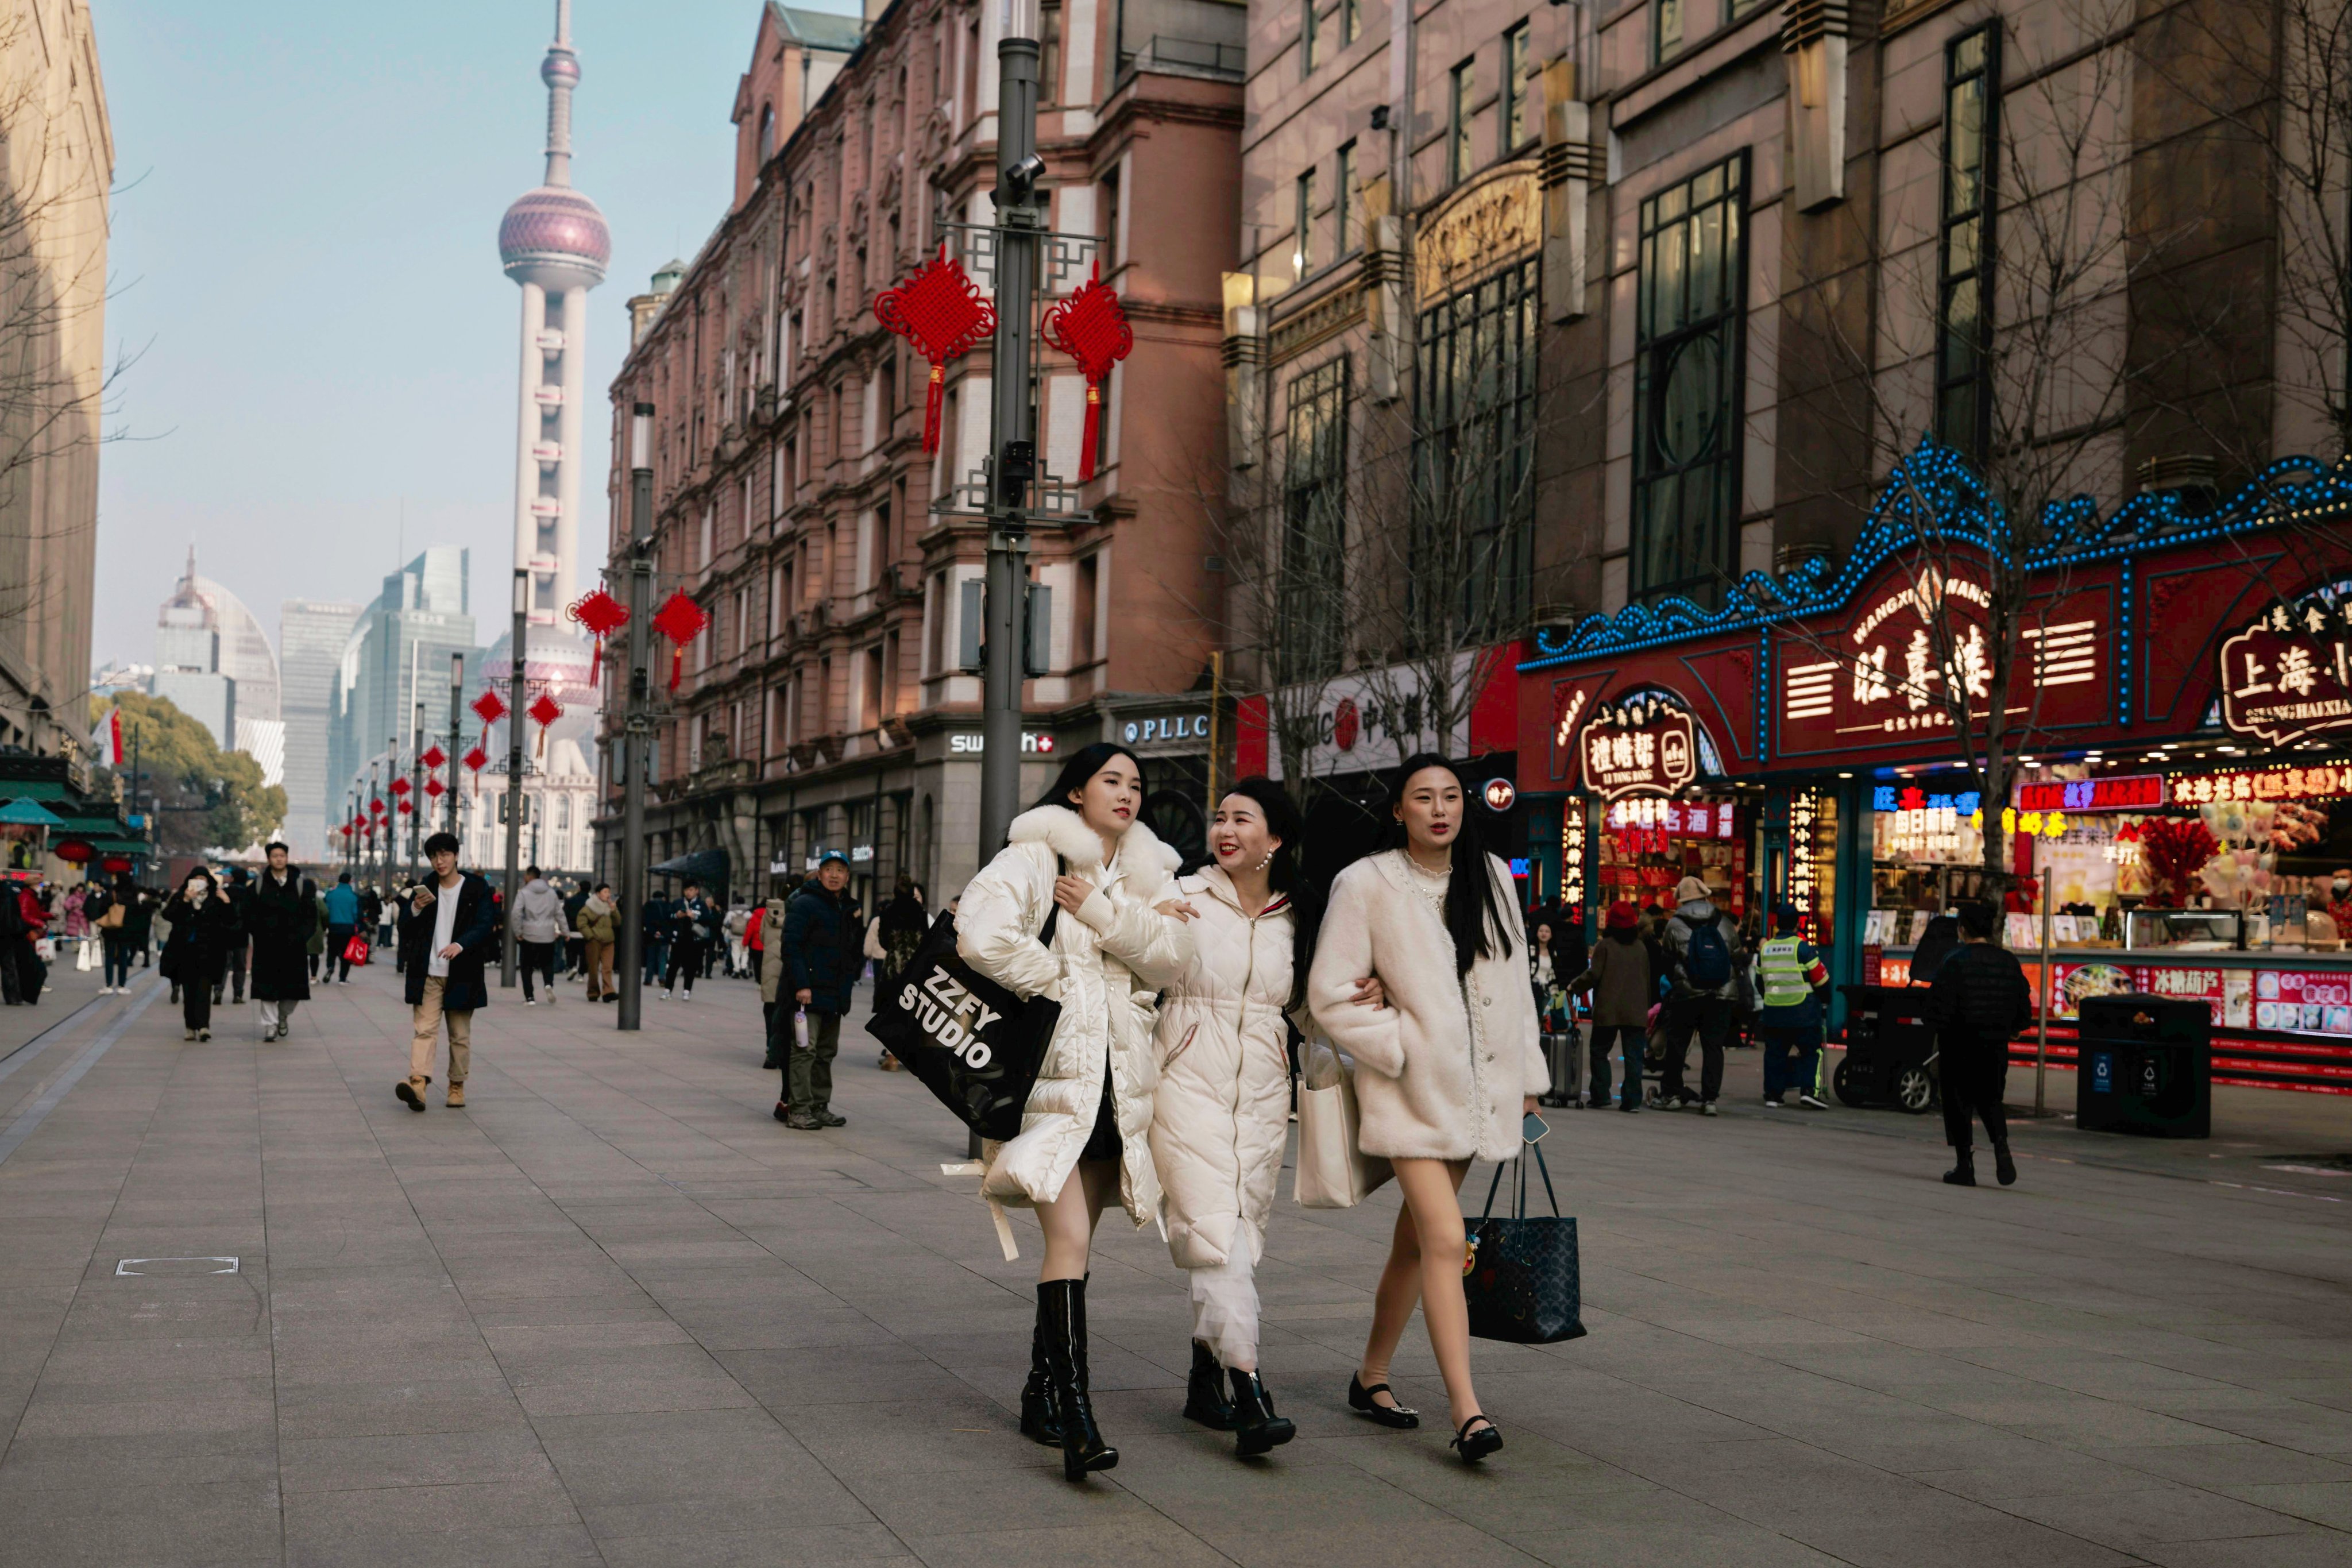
[1533,1127]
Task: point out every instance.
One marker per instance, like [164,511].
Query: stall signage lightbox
[2322,783]
[2289,674]
[2128,792]
[1891,677]
[1643,745]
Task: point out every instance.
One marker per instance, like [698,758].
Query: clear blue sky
[305,255]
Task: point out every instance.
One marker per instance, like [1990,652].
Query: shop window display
[1648,845]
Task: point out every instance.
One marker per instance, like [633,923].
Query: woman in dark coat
[281,911]
[197,956]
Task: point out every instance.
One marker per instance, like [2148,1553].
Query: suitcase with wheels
[1566,1061]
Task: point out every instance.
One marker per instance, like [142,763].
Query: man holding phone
[447,928]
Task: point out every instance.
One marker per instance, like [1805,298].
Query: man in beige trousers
[448,924]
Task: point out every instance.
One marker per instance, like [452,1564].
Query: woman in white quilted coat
[1119,938]
[1443,1074]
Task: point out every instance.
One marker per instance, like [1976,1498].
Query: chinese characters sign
[2123,791]
[1643,745]
[2321,783]
[2289,674]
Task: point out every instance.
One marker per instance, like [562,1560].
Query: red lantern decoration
[488,706]
[435,788]
[939,311]
[73,851]
[1091,328]
[399,786]
[600,614]
[115,864]
[546,710]
[681,620]
[434,758]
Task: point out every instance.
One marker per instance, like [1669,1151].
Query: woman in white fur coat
[1444,1073]
[1118,939]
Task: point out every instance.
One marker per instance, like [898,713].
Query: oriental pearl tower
[554,243]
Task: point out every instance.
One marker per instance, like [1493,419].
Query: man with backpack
[1703,963]
[1977,1002]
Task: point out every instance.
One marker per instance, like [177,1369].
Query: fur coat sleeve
[1343,956]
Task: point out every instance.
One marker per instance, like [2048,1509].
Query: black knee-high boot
[1041,1418]
[1063,1305]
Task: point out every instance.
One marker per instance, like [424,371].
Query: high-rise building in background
[56,167]
[397,656]
[214,662]
[311,636]
[554,243]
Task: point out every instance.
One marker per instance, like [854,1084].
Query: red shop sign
[2289,674]
[1643,744]
[1882,679]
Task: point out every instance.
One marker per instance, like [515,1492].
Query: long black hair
[1285,874]
[1473,914]
[1084,763]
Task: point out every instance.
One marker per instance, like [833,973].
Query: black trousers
[197,1004]
[1709,1017]
[338,940]
[538,958]
[1974,1076]
[685,956]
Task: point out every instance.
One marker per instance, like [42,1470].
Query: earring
[1266,860]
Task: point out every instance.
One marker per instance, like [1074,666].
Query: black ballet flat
[1475,1446]
[1360,1400]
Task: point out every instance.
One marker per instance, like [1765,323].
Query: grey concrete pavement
[613,1313]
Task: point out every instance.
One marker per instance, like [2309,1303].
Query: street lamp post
[416,823]
[457,718]
[636,721]
[517,695]
[1012,426]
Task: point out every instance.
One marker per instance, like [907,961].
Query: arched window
[766,131]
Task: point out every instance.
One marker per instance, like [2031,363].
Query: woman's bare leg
[1393,1304]
[1070,1219]
[1430,1189]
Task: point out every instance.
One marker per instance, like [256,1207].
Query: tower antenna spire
[561,72]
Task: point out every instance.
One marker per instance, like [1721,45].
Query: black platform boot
[1040,1418]
[1258,1426]
[1061,1304]
[1205,1391]
[2002,1165]
[1964,1173]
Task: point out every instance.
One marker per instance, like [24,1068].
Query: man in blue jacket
[449,928]
[823,950]
[342,922]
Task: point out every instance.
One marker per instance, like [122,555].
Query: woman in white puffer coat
[1119,938]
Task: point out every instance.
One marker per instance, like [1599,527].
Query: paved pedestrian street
[254,1310]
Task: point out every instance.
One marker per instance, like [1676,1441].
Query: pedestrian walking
[197,949]
[693,925]
[737,928]
[1617,976]
[377,913]
[139,924]
[575,946]
[281,915]
[160,928]
[238,889]
[821,957]
[1548,974]
[449,927]
[777,1009]
[20,941]
[107,910]
[599,924]
[1084,1140]
[1703,958]
[1977,1001]
[344,909]
[1220,1115]
[1789,975]
[1445,1072]
[655,925]
[539,927]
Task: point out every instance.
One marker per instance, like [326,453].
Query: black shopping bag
[973,1043]
[1521,1279]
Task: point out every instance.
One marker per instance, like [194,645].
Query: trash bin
[2146,1067]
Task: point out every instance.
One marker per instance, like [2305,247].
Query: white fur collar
[1142,858]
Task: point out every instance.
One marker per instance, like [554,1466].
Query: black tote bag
[1521,1281]
[973,1043]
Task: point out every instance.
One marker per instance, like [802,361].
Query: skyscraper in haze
[554,243]
[396,657]
[311,635]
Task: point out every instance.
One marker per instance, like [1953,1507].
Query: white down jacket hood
[1106,964]
[1222,1118]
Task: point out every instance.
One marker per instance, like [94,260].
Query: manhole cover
[160,1267]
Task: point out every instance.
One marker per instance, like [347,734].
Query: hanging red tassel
[931,408]
[1093,434]
[676,666]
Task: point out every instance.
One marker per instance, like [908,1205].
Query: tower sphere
[555,238]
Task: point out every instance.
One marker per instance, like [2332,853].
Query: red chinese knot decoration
[939,312]
[546,710]
[600,614]
[477,759]
[488,706]
[399,786]
[406,808]
[1091,327]
[434,757]
[681,620]
[435,788]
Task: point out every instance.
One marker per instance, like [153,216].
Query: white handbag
[81,955]
[1333,1171]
